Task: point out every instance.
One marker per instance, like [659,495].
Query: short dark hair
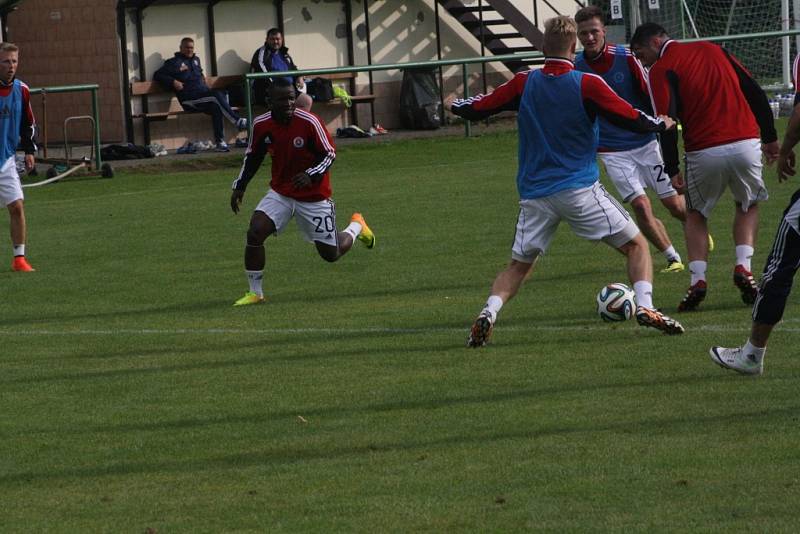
[273,31]
[186,40]
[589,13]
[645,32]
[280,83]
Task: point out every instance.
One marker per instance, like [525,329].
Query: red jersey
[302,145]
[704,86]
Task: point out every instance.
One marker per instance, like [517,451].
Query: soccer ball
[616,302]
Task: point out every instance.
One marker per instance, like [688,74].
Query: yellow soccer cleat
[248,299]
[673,267]
[366,236]
[710,243]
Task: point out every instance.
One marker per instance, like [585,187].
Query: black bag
[320,89]
[420,103]
[127,151]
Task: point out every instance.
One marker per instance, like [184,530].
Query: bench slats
[151,87]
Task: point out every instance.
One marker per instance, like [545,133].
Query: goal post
[767,58]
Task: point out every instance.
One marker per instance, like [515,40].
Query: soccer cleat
[248,299]
[710,243]
[674,266]
[21,265]
[481,331]
[736,360]
[694,296]
[655,319]
[743,279]
[366,236]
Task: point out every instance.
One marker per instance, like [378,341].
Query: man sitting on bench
[184,75]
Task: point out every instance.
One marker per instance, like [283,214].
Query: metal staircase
[499,26]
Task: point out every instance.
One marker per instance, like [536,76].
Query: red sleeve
[504,98]
[322,145]
[596,90]
[254,155]
[600,99]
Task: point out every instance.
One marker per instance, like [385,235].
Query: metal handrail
[44,91]
[533,57]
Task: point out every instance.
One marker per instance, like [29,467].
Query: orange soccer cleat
[20,264]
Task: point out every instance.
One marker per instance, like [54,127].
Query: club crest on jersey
[619,77]
[298,142]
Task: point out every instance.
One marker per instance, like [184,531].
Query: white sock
[254,278]
[671,254]
[758,352]
[354,229]
[644,293]
[493,305]
[19,250]
[744,253]
[698,270]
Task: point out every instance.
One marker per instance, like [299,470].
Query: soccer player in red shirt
[302,152]
[723,112]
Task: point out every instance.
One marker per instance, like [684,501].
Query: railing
[44,91]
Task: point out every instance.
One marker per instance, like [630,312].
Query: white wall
[314,31]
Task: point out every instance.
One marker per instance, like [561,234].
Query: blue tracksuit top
[557,141]
[619,78]
[10,119]
[186,70]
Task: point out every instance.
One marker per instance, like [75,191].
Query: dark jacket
[186,70]
[262,62]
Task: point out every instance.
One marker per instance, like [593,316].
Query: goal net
[765,58]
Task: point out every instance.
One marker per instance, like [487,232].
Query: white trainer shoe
[736,360]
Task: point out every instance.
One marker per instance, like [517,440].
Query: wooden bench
[146,89]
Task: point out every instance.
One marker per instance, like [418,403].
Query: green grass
[133,396]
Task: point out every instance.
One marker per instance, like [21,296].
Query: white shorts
[315,220]
[735,165]
[634,170]
[591,213]
[10,186]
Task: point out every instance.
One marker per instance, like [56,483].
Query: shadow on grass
[330,450]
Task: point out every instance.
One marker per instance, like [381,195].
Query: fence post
[467,125]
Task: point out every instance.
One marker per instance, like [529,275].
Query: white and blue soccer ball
[616,302]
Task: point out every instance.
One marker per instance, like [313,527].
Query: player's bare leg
[261,227]
[357,229]
[655,232]
[505,286]
[640,272]
[745,232]
[16,213]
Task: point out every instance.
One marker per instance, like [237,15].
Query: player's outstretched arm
[504,98]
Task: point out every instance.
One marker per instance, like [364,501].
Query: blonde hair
[8,47]
[560,33]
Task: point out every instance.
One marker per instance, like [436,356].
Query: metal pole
[465,78]
[95,114]
[369,59]
[797,25]
[248,103]
[439,57]
[787,69]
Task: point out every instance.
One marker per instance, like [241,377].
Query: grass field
[134,397]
